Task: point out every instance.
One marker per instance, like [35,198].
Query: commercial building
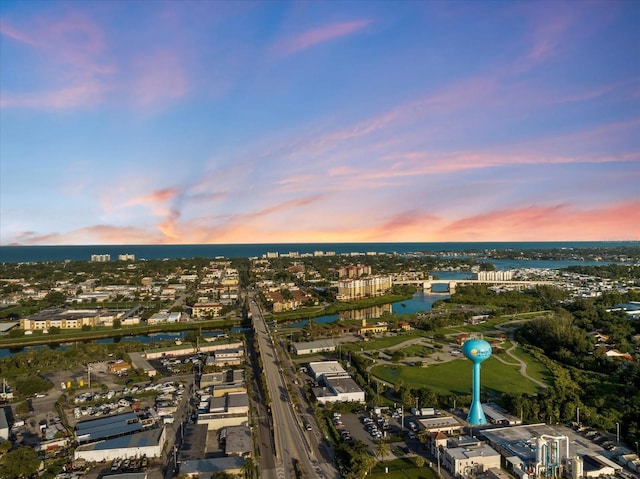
[335,383]
[377,328]
[221,357]
[138,362]
[145,443]
[119,436]
[238,441]
[497,415]
[230,376]
[229,410]
[206,468]
[100,258]
[339,389]
[107,427]
[441,423]
[531,450]
[466,457]
[69,319]
[204,310]
[312,347]
[166,317]
[325,369]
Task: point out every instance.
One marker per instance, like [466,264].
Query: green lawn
[403,468]
[384,342]
[535,368]
[454,377]
[418,350]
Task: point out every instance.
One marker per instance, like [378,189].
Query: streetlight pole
[618,432]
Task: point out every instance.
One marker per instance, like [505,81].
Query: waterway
[420,301]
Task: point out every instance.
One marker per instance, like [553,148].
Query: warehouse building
[149,443]
[107,427]
[313,347]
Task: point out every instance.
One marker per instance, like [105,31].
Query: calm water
[18,254]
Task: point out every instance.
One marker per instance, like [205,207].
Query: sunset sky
[134,122]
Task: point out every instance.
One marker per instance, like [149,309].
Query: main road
[290,438]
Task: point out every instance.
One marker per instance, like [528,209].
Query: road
[290,438]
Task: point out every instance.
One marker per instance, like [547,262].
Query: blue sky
[244,122]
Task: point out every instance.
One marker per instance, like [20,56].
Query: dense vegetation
[606,390]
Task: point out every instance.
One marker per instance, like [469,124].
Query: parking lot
[371,428]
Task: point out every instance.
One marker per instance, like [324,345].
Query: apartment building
[352,289]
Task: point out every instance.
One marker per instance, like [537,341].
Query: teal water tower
[477,350]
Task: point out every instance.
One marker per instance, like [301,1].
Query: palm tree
[248,468]
[382,449]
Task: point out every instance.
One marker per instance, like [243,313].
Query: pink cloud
[81,95]
[319,35]
[155,196]
[73,54]
[71,51]
[15,34]
[96,234]
[156,201]
[561,222]
[157,77]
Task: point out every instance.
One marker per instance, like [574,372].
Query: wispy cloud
[157,77]
[71,51]
[96,234]
[560,222]
[84,70]
[317,36]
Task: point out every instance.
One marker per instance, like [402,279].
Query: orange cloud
[552,223]
[154,197]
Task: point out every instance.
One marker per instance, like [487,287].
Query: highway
[291,440]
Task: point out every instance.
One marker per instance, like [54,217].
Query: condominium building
[493,275]
[354,271]
[351,289]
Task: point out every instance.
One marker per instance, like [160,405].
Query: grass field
[418,350]
[403,468]
[454,377]
[384,342]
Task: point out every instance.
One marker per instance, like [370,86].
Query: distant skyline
[148,122]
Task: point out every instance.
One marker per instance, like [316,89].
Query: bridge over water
[427,284]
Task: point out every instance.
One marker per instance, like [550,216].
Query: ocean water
[23,254]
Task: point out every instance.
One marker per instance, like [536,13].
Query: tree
[21,462]
[382,450]
[117,323]
[5,446]
[419,461]
[55,298]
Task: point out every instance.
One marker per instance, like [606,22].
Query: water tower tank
[476,350]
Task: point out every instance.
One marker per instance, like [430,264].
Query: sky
[149,122]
